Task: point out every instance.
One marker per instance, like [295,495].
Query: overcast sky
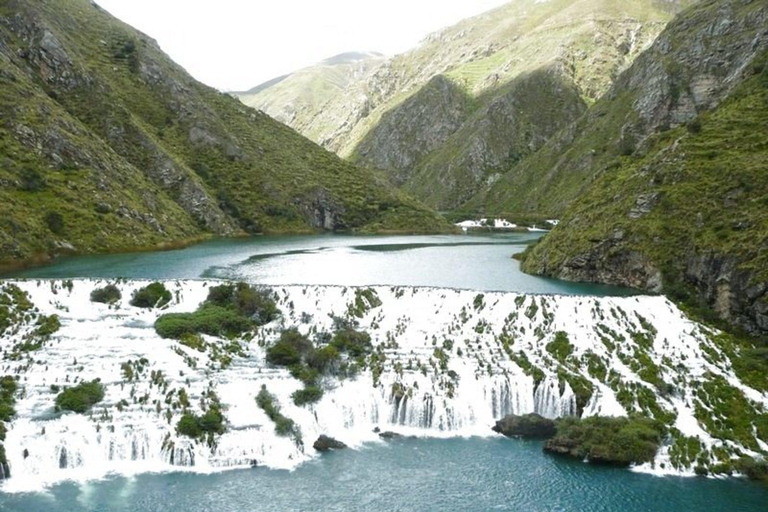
[237,44]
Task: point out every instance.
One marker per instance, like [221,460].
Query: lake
[478,262]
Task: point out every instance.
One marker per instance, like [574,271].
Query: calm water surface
[481,262]
[408,475]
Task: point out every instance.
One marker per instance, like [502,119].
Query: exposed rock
[530,425]
[325,443]
[388,434]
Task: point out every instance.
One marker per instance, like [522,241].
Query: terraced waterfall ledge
[244,376]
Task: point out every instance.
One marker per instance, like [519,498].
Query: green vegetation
[212,320]
[80,398]
[137,154]
[108,294]
[560,347]
[154,295]
[283,426]
[200,426]
[229,311]
[309,363]
[308,395]
[8,388]
[365,300]
[617,441]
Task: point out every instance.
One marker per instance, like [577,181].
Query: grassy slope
[303,93]
[130,126]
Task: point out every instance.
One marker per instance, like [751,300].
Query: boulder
[530,425]
[325,443]
[389,435]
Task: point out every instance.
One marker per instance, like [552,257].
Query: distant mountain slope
[674,167]
[295,98]
[106,144]
[454,114]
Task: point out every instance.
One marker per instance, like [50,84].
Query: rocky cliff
[674,165]
[106,144]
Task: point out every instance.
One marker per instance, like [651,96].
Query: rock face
[530,425]
[666,217]
[110,145]
[325,443]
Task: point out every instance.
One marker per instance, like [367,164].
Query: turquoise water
[408,475]
[480,262]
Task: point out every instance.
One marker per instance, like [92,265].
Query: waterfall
[445,372]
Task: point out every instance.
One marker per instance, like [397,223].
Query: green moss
[80,398]
[727,414]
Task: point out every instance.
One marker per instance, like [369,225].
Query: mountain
[295,98]
[669,171]
[106,144]
[454,114]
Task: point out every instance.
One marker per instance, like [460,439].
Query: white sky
[237,44]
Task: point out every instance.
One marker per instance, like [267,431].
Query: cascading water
[454,363]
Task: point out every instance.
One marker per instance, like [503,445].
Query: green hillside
[686,210]
[106,144]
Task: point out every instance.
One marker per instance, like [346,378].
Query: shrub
[196,427]
[560,347]
[188,426]
[32,181]
[308,395]
[290,349]
[283,426]
[753,469]
[154,295]
[55,222]
[324,360]
[211,320]
[355,343]
[247,300]
[81,397]
[109,294]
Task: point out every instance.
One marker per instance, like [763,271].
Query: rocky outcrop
[325,444]
[529,426]
[421,124]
